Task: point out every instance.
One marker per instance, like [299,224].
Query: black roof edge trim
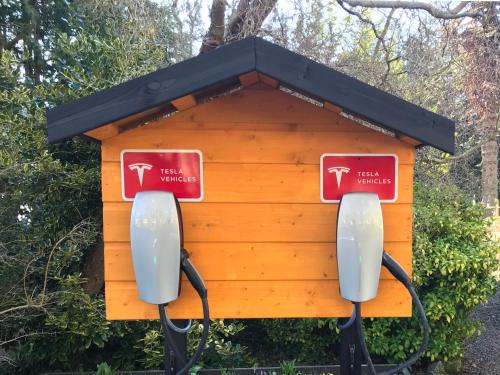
[292,70]
[354,96]
[139,94]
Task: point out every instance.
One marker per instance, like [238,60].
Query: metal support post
[350,351]
[173,363]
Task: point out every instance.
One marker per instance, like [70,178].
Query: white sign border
[153,150]
[396,159]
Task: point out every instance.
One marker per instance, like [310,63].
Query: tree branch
[365,20]
[43,293]
[464,155]
[380,37]
[248,18]
[215,34]
[384,32]
[418,5]
[235,23]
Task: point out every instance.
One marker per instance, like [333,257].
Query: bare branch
[384,32]
[21,307]
[365,20]
[43,293]
[417,5]
[380,37]
[466,154]
[248,18]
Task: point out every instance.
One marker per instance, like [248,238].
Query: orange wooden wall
[261,238]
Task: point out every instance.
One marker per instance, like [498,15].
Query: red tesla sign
[178,171]
[344,173]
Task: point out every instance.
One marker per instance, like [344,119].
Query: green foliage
[453,262]
[50,210]
[289,368]
[454,259]
[219,352]
[104,369]
[308,341]
[152,347]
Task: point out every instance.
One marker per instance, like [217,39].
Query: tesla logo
[140,168]
[338,173]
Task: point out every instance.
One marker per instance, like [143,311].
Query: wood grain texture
[184,102]
[331,107]
[104,132]
[255,299]
[256,183]
[409,140]
[341,124]
[257,106]
[261,238]
[249,78]
[241,146]
[271,82]
[259,222]
[233,261]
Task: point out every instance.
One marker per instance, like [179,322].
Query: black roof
[224,65]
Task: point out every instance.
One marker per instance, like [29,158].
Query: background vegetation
[52,52]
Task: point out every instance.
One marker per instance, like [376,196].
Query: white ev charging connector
[158,256]
[360,240]
[360,244]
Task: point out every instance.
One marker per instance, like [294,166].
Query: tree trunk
[215,34]
[489,166]
[93,269]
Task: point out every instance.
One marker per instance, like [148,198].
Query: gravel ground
[482,353]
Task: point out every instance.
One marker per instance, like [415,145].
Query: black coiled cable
[203,341]
[397,271]
[196,281]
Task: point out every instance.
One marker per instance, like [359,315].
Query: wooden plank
[411,141]
[258,147]
[222,261]
[256,183]
[249,78]
[354,96]
[240,222]
[331,107]
[268,81]
[151,90]
[258,106]
[259,299]
[104,132]
[184,102]
[341,124]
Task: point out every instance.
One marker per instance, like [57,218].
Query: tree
[27,28]
[49,195]
[478,28]
[246,20]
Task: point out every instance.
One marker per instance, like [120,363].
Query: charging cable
[398,272]
[195,280]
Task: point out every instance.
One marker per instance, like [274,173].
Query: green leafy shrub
[289,368]
[307,341]
[104,369]
[220,351]
[453,261]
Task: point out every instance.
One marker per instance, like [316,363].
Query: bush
[220,351]
[453,261]
[307,341]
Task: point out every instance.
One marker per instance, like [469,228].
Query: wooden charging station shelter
[258,135]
